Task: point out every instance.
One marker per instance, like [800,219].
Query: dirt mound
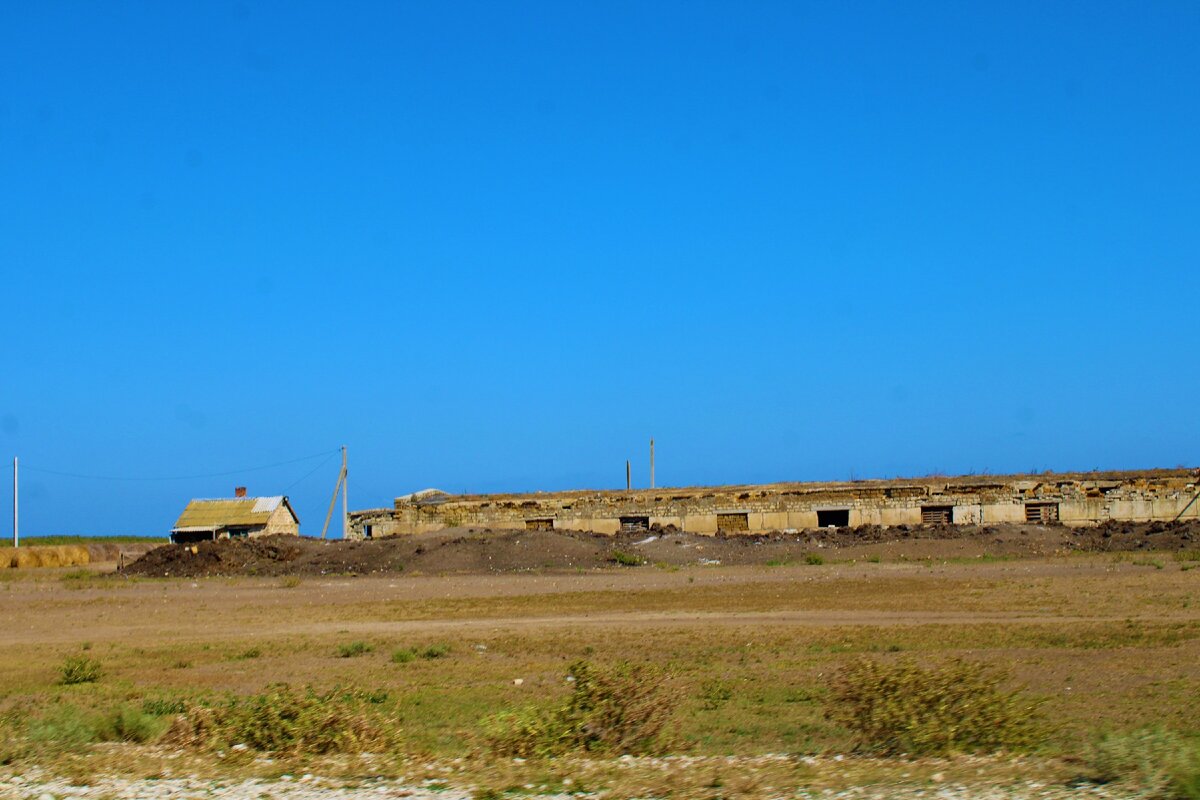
[483,551]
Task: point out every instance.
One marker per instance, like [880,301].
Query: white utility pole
[16,526]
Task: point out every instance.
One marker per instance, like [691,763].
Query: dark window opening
[368,531]
[937,515]
[539,524]
[239,533]
[833,518]
[191,537]
[634,524]
[733,522]
[1041,512]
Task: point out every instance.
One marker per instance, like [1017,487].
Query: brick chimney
[240,491]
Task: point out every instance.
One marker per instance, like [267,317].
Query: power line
[326,454]
[310,472]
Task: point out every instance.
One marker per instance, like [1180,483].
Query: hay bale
[41,557]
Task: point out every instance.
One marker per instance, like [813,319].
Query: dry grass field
[1105,642]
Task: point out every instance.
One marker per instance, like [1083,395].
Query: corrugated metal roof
[266,504]
[210,514]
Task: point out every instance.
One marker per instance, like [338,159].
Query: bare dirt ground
[460,550]
[1105,640]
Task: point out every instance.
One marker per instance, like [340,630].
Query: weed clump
[1153,763]
[956,707]
[284,720]
[625,559]
[79,669]
[71,727]
[353,649]
[403,655]
[131,724]
[621,709]
[440,650]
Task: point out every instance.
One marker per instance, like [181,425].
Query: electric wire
[311,472]
[325,454]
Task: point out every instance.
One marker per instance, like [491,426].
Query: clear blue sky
[499,246]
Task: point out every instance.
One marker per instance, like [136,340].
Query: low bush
[813,559]
[894,708]
[284,720]
[621,709]
[130,724]
[1153,763]
[79,669]
[66,726]
[440,650]
[403,655]
[625,559]
[164,706]
[353,649]
[71,727]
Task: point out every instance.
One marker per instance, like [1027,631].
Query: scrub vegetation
[1069,668]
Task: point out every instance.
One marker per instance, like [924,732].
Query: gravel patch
[307,787]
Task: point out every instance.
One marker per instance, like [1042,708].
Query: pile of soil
[483,551]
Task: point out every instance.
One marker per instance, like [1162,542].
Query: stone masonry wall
[1080,498]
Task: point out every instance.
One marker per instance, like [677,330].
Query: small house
[234,518]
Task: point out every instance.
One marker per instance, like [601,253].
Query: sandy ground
[1065,590]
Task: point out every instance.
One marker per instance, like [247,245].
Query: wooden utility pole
[16,525]
[339,485]
[345,481]
[628,478]
[651,463]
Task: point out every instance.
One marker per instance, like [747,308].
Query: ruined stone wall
[1076,499]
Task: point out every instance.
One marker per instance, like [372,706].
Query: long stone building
[1068,498]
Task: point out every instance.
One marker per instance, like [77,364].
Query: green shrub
[79,669]
[621,709]
[625,559]
[67,726]
[813,559]
[433,651]
[130,724]
[353,649]
[403,655]
[163,706]
[71,727]
[247,655]
[895,708]
[1152,762]
[283,720]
